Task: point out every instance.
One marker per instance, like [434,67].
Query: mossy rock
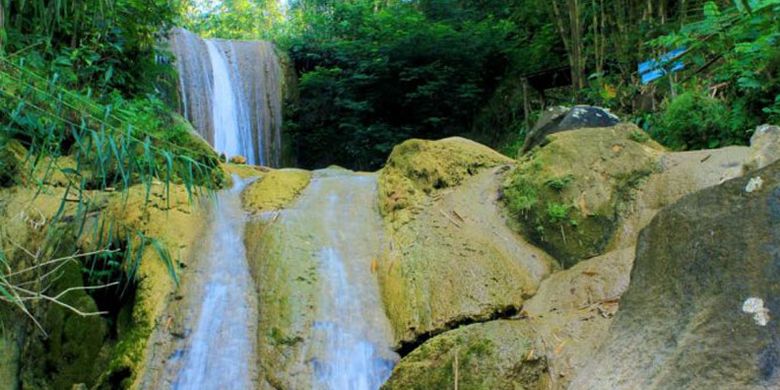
[494,355]
[417,168]
[274,190]
[567,195]
[701,308]
[12,156]
[75,349]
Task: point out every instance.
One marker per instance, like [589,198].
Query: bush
[694,120]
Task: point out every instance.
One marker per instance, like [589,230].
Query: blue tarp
[656,68]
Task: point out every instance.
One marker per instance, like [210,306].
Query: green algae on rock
[568,193]
[274,190]
[704,288]
[419,168]
[493,356]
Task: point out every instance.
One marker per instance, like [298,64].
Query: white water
[351,327]
[231,92]
[223,108]
[220,351]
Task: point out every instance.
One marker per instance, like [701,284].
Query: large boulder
[558,119]
[567,196]
[704,290]
[494,355]
[452,258]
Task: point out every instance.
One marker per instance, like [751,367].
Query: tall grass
[112,151]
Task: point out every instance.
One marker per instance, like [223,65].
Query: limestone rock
[765,145]
[239,160]
[456,262]
[495,355]
[704,288]
[418,168]
[568,194]
[558,119]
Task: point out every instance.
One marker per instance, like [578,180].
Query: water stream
[220,349]
[231,92]
[351,332]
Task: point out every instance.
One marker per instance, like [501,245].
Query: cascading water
[221,346]
[231,91]
[350,339]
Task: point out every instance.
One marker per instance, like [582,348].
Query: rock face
[570,315]
[766,147]
[453,260]
[417,169]
[568,195]
[332,230]
[559,119]
[493,355]
[700,307]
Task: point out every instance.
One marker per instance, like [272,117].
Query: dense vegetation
[373,73]
[92,80]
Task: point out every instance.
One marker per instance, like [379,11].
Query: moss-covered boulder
[701,306]
[456,262]
[417,169]
[274,190]
[492,356]
[567,195]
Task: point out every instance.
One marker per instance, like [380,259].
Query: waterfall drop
[231,92]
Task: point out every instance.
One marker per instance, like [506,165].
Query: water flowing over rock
[322,323]
[231,91]
[213,336]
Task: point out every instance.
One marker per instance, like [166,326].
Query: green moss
[567,194]
[418,168]
[492,355]
[275,189]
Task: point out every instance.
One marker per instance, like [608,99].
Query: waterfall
[231,92]
[221,348]
[351,336]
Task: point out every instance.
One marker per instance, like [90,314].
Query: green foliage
[237,19]
[372,77]
[560,183]
[557,212]
[696,121]
[99,45]
[734,47]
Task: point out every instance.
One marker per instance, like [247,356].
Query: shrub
[694,120]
